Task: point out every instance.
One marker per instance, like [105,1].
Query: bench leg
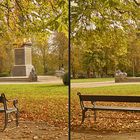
[94,115]
[17,115]
[6,121]
[83,115]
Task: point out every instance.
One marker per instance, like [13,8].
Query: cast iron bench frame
[6,110]
[106,98]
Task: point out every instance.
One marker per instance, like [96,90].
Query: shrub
[137,74]
[66,79]
[4,74]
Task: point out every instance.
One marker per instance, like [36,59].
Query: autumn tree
[59,47]
[24,19]
[103,27]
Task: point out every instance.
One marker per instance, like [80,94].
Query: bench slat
[107,98]
[116,108]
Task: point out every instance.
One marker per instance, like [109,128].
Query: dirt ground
[43,131]
[33,131]
[107,130]
[90,135]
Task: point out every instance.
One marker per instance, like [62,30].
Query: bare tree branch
[137,2]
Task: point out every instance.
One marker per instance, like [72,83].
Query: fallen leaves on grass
[106,120]
[52,111]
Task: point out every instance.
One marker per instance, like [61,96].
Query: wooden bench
[106,98]
[7,110]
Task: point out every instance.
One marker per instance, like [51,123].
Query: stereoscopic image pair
[69,70]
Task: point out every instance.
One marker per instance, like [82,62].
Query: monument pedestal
[15,79]
[23,63]
[22,70]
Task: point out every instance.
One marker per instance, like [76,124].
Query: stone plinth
[23,62]
[15,79]
[23,56]
[22,70]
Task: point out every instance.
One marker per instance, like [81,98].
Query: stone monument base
[23,63]
[15,79]
[26,72]
[22,70]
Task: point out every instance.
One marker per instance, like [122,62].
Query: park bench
[106,98]
[7,109]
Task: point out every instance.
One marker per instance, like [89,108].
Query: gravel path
[41,80]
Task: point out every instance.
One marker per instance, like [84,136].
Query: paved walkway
[41,80]
[57,80]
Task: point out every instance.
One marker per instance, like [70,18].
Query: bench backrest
[108,98]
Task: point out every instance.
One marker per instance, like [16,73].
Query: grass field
[91,80]
[110,90]
[40,102]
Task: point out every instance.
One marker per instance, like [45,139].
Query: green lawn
[110,90]
[92,80]
[34,90]
[40,101]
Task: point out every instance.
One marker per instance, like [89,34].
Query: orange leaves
[52,111]
[106,120]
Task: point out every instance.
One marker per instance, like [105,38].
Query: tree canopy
[33,20]
[104,31]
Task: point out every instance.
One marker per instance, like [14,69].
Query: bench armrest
[78,93]
[15,102]
[93,103]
